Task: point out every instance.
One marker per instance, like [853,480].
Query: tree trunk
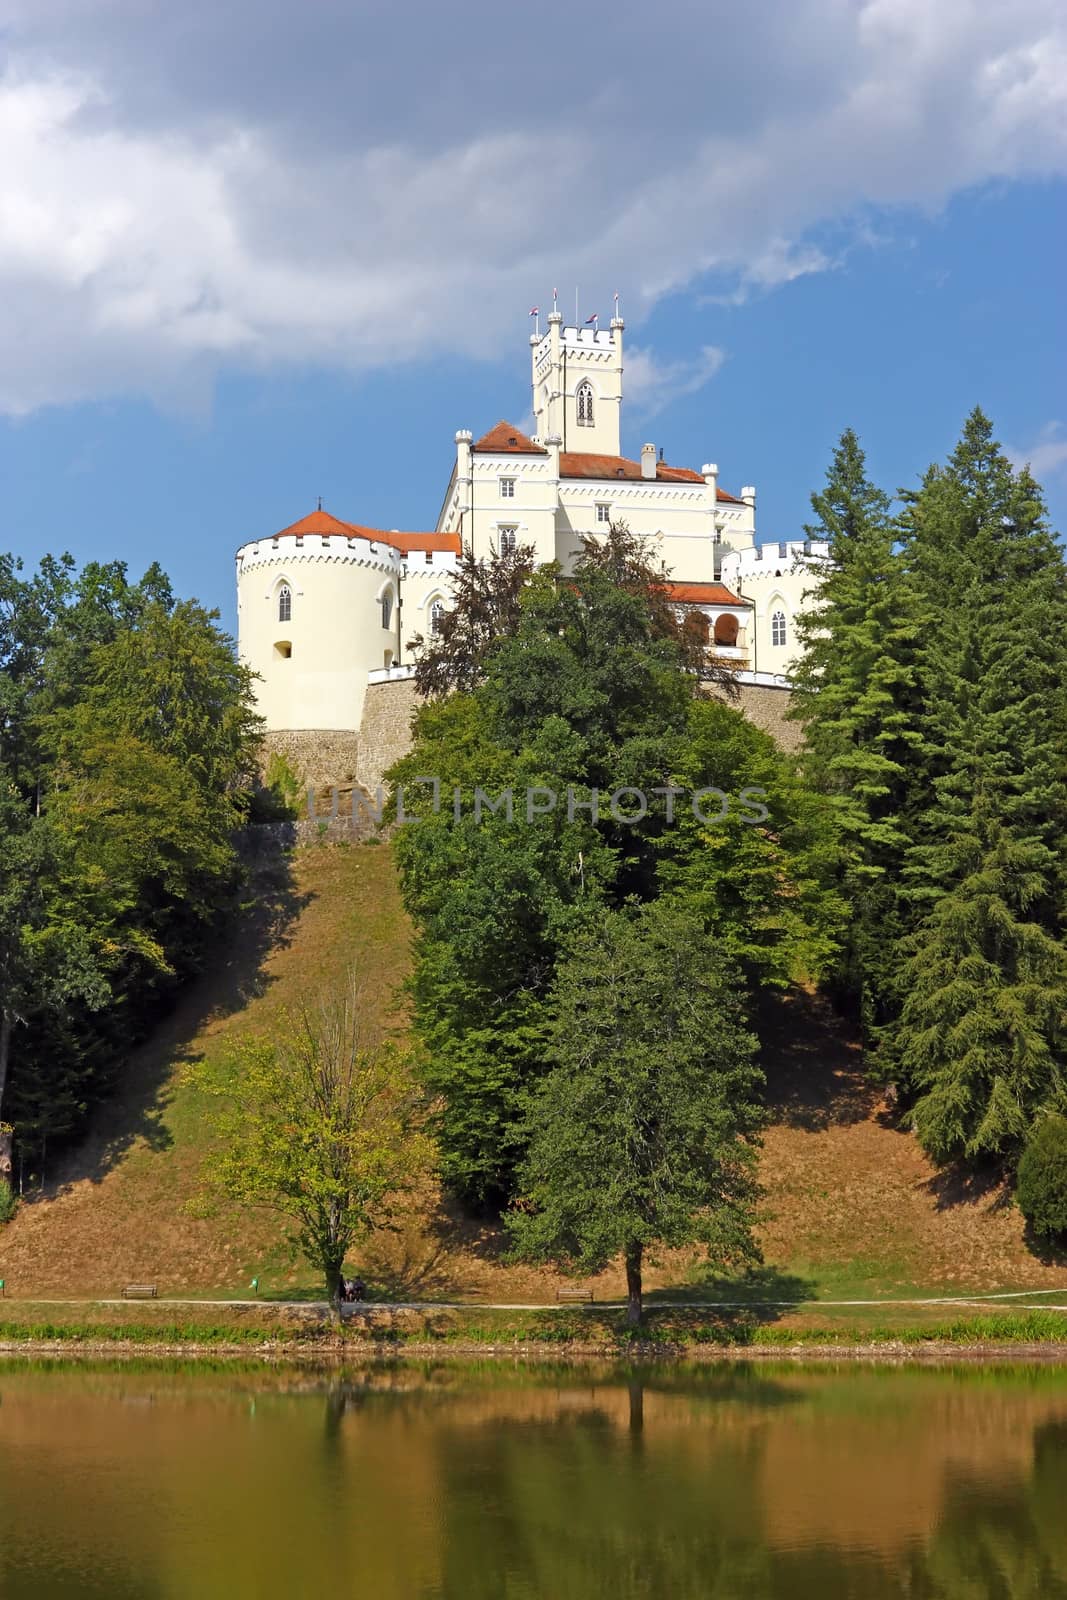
[634,1256]
[333,1269]
[6,1137]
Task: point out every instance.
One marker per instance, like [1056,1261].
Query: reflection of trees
[1003,1541]
[566,1507]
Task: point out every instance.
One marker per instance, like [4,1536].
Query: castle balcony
[390,674]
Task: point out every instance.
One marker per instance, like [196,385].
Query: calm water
[497,1483]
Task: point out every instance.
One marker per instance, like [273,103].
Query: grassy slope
[856,1209]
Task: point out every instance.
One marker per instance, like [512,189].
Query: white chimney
[648,461]
[748,495]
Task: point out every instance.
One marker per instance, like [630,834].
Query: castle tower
[577,385]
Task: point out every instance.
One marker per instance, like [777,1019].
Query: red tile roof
[321,522]
[714,594]
[507,440]
[317,522]
[581,464]
[408,542]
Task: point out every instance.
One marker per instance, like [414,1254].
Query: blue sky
[221,295]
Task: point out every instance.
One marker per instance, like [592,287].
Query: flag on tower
[594,318]
[535,311]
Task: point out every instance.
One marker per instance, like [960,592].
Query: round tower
[319,608]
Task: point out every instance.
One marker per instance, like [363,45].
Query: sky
[255,253]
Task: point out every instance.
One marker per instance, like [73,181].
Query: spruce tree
[854,690]
[983,1030]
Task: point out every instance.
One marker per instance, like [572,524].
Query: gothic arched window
[584,399]
[778,628]
[285,603]
[437,611]
[509,538]
[387,608]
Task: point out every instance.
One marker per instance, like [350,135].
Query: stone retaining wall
[385,734]
[341,759]
[319,756]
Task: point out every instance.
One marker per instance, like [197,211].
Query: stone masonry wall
[385,734]
[337,759]
[319,756]
[767,708]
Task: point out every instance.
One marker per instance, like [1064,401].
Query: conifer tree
[983,1030]
[855,693]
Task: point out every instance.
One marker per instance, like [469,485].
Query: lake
[504,1482]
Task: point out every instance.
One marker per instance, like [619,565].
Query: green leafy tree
[126,744]
[46,959]
[484,609]
[321,1127]
[591,693]
[1041,1189]
[642,1134]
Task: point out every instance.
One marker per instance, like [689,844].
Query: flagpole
[576,308]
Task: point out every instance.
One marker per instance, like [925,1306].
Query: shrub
[8,1202]
[1041,1186]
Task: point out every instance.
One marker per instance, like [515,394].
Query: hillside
[856,1209]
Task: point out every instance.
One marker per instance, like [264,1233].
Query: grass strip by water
[381,1326]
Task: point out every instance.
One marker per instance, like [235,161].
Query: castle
[326,608]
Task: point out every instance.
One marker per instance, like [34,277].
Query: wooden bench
[140,1291]
[575,1297]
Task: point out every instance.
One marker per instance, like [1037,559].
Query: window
[283,650]
[778,628]
[603,512]
[285,603]
[437,611]
[507,488]
[508,539]
[387,608]
[584,402]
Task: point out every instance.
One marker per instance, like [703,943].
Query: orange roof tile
[322,523]
[407,542]
[317,522]
[715,594]
[507,440]
[582,464]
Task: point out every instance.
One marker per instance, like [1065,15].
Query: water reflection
[517,1484]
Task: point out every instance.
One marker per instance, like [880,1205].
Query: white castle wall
[778,580]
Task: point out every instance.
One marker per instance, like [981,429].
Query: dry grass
[856,1208]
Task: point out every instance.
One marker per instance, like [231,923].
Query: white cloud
[1046,455]
[652,384]
[186,189]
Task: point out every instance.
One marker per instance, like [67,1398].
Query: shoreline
[333,1353]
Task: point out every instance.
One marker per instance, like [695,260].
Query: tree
[46,960]
[855,690]
[590,694]
[322,1128]
[982,1038]
[1041,1190]
[484,610]
[126,743]
[643,1132]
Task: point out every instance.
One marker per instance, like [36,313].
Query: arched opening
[509,538]
[386,603]
[437,614]
[285,603]
[583,400]
[697,627]
[778,628]
[387,659]
[726,630]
